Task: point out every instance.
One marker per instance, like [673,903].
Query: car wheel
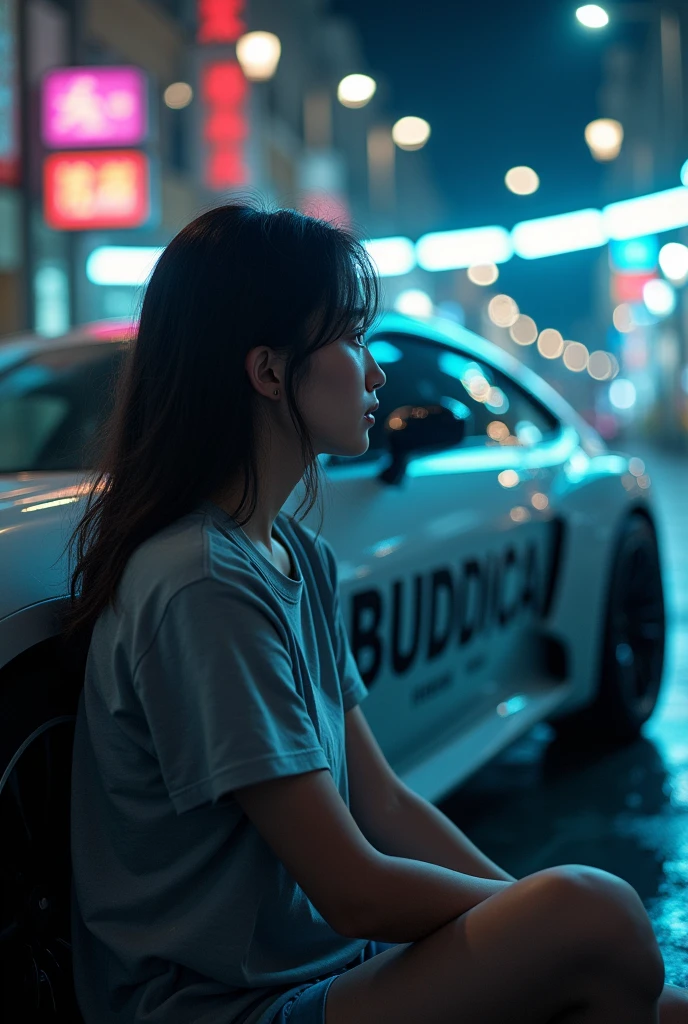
[35,867]
[633,650]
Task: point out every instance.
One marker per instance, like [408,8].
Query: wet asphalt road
[538,805]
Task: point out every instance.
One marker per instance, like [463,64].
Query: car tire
[633,649]
[36,742]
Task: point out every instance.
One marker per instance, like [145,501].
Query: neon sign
[220,21]
[224,90]
[97,189]
[94,106]
[224,93]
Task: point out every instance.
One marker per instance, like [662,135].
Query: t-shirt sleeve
[217,688]
[354,689]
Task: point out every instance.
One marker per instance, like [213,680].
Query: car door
[440,574]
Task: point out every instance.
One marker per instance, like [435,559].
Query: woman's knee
[602,920]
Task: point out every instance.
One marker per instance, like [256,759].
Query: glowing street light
[259,54]
[411,132]
[668,22]
[659,297]
[673,259]
[604,137]
[356,90]
[592,16]
[522,181]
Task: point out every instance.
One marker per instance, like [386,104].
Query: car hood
[38,512]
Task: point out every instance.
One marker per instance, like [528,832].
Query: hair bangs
[350,300]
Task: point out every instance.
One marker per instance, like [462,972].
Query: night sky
[502,84]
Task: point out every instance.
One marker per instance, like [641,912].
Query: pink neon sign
[94,106]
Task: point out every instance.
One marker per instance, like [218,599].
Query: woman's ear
[265,369]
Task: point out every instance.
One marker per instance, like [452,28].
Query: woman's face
[337,394]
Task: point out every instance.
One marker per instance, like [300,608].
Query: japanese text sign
[89,190]
[94,106]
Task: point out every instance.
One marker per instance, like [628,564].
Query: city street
[539,805]
[444,250]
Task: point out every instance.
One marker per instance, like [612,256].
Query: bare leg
[568,944]
[673,1005]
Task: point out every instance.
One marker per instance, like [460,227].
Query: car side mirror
[421,430]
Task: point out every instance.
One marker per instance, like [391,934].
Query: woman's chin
[351,450]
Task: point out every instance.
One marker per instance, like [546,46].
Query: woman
[222,866]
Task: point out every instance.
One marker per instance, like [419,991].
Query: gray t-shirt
[215,671]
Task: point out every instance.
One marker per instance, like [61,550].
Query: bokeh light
[622,393]
[592,16]
[509,478]
[411,132]
[575,356]
[622,317]
[659,297]
[600,365]
[522,181]
[414,302]
[539,500]
[604,138]
[178,95]
[497,430]
[673,260]
[497,401]
[478,388]
[636,466]
[356,90]
[550,343]
[520,514]
[259,54]
[483,273]
[502,311]
[524,331]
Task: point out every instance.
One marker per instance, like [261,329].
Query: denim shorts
[308,1006]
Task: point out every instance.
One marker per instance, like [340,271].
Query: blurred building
[210,130]
[644,88]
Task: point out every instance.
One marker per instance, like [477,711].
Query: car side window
[52,404]
[496,410]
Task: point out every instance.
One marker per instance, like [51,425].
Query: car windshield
[51,405]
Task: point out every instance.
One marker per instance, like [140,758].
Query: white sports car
[498,567]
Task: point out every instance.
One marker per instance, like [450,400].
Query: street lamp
[604,137]
[411,133]
[356,90]
[522,181]
[259,54]
[594,16]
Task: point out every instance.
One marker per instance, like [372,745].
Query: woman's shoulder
[182,554]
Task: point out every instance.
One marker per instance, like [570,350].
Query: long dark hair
[183,421]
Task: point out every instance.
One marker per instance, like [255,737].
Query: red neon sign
[220,21]
[96,189]
[225,126]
